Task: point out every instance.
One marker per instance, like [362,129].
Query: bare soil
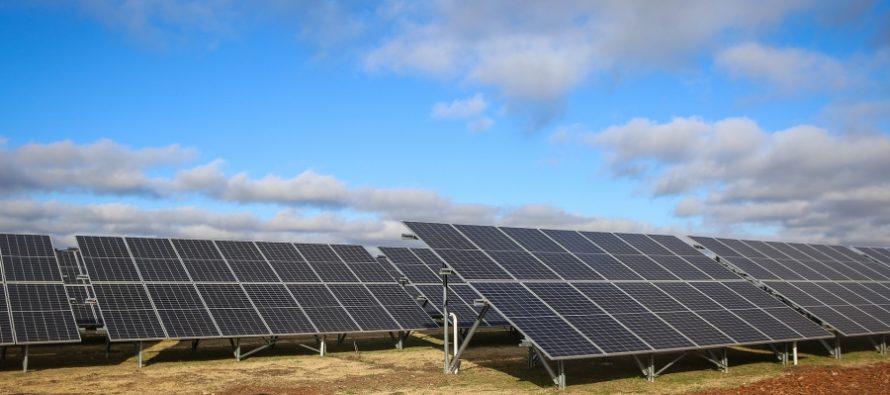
[493,364]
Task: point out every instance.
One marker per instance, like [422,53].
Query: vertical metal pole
[650,374]
[837,346]
[139,356]
[323,347]
[562,375]
[883,345]
[445,318]
[238,350]
[725,360]
[794,352]
[399,344]
[107,347]
[25,359]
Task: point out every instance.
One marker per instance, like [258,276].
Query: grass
[492,364]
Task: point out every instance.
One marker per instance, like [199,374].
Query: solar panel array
[834,284]
[585,294]
[421,267]
[34,308]
[879,254]
[78,289]
[188,289]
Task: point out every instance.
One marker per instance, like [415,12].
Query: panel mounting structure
[420,266]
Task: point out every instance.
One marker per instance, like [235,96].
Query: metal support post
[725,359]
[107,347]
[400,343]
[794,352]
[25,358]
[269,344]
[195,344]
[455,362]
[237,352]
[532,362]
[647,368]
[445,334]
[650,374]
[323,345]
[139,356]
[558,379]
[342,337]
[837,346]
[883,345]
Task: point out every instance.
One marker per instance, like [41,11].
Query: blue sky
[332,120]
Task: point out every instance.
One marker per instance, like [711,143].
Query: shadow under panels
[588,294]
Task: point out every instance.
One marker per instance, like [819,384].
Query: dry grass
[493,365]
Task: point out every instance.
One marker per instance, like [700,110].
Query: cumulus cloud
[535,53]
[460,109]
[310,206]
[732,173]
[789,69]
[102,167]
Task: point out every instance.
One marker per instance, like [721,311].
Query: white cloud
[339,212]
[460,109]
[539,51]
[789,69]
[480,124]
[804,180]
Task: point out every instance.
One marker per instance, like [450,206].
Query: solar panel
[36,307]
[211,289]
[78,289]
[831,283]
[421,267]
[589,294]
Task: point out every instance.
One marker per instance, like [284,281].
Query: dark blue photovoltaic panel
[573,241]
[556,288]
[488,238]
[533,240]
[609,267]
[609,242]
[441,236]
[34,313]
[523,265]
[474,265]
[567,266]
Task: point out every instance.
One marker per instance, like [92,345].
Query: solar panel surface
[35,308]
[206,289]
[610,294]
[421,267]
[832,283]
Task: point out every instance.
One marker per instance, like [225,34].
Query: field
[493,364]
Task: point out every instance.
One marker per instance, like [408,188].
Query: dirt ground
[493,364]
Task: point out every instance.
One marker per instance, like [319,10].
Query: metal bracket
[139,360]
[455,361]
[721,360]
[239,356]
[880,345]
[834,350]
[559,376]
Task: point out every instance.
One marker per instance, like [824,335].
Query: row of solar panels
[583,294]
[575,294]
